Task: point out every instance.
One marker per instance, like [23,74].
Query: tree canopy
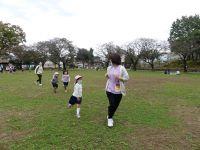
[185,37]
[10,36]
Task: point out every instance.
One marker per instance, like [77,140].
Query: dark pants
[65,85]
[55,85]
[114,100]
[39,78]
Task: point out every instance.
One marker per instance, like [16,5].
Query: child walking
[76,97]
[65,79]
[54,81]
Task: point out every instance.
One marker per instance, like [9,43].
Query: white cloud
[90,22]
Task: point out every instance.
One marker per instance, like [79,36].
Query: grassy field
[159,112]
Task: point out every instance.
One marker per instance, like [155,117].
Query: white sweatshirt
[38,69]
[77,90]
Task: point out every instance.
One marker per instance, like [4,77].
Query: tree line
[184,41]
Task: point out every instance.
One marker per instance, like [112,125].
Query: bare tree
[150,50]
[57,50]
[106,49]
[133,53]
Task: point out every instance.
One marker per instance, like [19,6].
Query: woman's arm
[106,75]
[124,75]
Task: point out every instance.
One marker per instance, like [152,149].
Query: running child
[76,97]
[65,79]
[54,81]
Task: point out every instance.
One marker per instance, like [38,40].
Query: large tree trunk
[134,63]
[134,67]
[83,64]
[20,65]
[185,65]
[107,64]
[152,66]
[64,65]
[192,55]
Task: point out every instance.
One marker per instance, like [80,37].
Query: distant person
[1,68]
[65,79]
[168,71]
[116,76]
[97,68]
[76,97]
[39,70]
[11,68]
[54,82]
[29,68]
[14,69]
[178,72]
[165,72]
[7,68]
[22,68]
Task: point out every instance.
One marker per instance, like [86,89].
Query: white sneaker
[40,84]
[78,116]
[110,122]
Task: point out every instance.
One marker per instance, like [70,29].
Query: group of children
[76,97]
[65,80]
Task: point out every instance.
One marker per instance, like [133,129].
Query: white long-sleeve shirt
[77,90]
[38,70]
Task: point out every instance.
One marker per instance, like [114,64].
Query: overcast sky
[89,23]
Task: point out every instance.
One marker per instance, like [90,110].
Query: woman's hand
[118,78]
[106,75]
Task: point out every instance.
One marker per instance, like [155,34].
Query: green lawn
[159,112]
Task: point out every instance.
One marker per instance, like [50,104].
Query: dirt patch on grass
[183,136]
[159,139]
[3,146]
[15,135]
[9,131]
[148,82]
[144,87]
[153,88]
[190,117]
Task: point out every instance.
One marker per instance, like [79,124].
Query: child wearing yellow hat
[54,81]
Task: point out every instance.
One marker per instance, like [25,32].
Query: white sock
[78,111]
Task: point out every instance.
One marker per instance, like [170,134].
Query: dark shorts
[73,100]
[65,83]
[55,85]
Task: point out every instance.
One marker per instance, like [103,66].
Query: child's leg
[54,89]
[38,78]
[55,86]
[78,105]
[78,110]
[79,100]
[65,87]
[69,105]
